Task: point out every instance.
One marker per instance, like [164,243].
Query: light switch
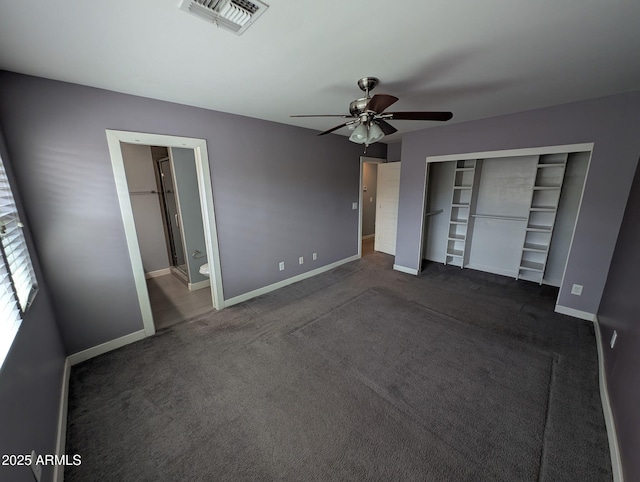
[354,205]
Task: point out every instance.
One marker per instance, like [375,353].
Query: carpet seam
[552,378]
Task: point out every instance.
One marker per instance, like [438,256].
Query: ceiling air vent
[234,15]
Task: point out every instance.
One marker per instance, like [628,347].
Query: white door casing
[387,207]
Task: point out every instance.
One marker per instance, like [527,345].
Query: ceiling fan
[368,118]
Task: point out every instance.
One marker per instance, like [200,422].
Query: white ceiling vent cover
[234,15]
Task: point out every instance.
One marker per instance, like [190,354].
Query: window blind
[17,278]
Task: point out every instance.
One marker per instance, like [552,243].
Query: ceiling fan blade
[428,116]
[380,102]
[387,128]
[322,115]
[334,129]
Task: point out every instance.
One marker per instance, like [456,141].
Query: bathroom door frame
[205,191]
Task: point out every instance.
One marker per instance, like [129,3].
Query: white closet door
[387,207]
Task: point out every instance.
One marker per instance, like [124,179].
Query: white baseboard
[105,347]
[404,269]
[157,273]
[58,470]
[281,284]
[583,315]
[616,463]
[369,236]
[199,285]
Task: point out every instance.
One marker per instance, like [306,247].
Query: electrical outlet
[281,265]
[614,337]
[300,260]
[35,467]
[576,290]
[315,256]
[354,205]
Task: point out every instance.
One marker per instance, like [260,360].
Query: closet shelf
[547,188]
[531,266]
[536,248]
[459,221]
[459,169]
[456,237]
[460,205]
[496,216]
[544,229]
[455,253]
[462,187]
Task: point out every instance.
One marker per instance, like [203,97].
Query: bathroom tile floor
[172,302]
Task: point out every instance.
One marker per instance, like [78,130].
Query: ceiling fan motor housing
[358,106]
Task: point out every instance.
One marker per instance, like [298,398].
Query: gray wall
[147,213]
[620,311]
[279,192]
[31,376]
[610,122]
[393,151]
[184,171]
[369,179]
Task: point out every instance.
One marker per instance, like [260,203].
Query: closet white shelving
[463,196]
[545,198]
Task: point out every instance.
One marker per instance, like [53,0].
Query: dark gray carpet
[361,373]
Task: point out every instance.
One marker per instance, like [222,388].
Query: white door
[387,207]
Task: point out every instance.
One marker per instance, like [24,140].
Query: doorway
[368,203]
[198,150]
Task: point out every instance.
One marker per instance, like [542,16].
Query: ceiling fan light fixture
[375,133]
[360,134]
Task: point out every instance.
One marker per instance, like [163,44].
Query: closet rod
[433,213]
[494,216]
[144,192]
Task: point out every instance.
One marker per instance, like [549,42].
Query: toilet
[204,270]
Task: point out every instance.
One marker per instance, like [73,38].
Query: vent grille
[234,15]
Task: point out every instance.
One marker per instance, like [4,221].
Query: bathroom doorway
[181,253]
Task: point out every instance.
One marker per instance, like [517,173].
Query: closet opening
[511,213]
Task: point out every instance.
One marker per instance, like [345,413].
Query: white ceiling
[475,58]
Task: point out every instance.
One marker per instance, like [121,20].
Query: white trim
[614,449]
[583,315]
[281,284]
[199,285]
[157,273]
[94,351]
[117,163]
[422,214]
[528,151]
[369,236]
[114,138]
[58,470]
[404,269]
[575,224]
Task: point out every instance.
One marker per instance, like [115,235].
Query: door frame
[205,191]
[372,160]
